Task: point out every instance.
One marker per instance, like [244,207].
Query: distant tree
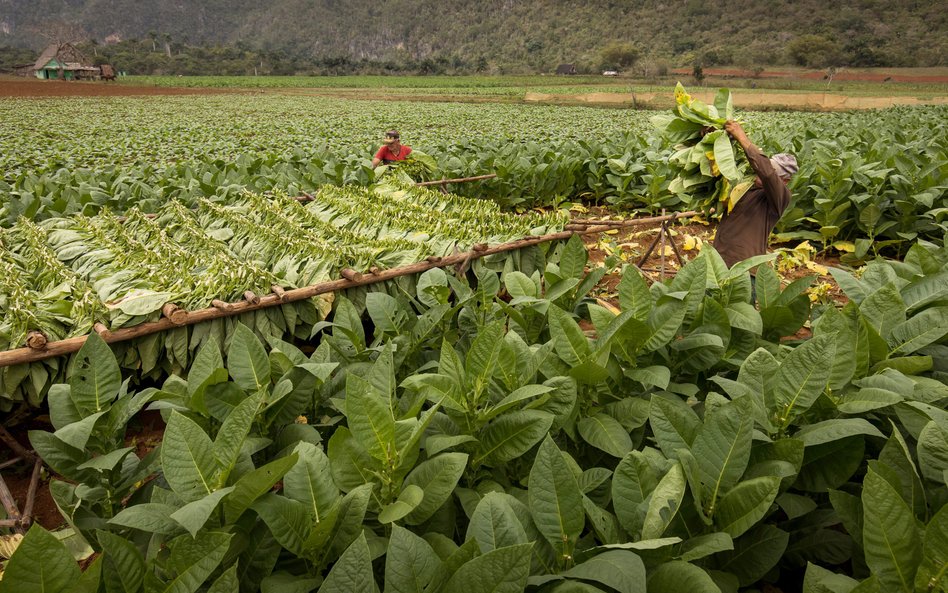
[618,56]
[167,39]
[815,51]
[153,35]
[698,73]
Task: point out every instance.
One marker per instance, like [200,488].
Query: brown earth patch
[25,87]
[919,76]
[809,101]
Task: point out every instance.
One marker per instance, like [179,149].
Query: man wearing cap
[391,150]
[743,232]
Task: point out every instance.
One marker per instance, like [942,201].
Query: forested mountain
[507,35]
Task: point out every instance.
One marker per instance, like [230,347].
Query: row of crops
[460,440]
[61,276]
[867,181]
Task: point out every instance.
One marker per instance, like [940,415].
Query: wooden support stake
[350,274]
[480,247]
[101,329]
[36,339]
[221,305]
[375,270]
[27,517]
[9,505]
[433,259]
[10,462]
[15,446]
[176,314]
[251,297]
[278,290]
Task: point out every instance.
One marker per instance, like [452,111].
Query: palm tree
[154,37]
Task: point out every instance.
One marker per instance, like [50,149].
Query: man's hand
[737,132]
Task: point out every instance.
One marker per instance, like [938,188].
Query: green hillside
[505,35]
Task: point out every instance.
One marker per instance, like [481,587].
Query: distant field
[925,83]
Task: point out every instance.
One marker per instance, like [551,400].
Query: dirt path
[744,99]
[26,87]
[914,75]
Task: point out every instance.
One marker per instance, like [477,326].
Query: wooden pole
[176,314]
[36,340]
[458,180]
[221,309]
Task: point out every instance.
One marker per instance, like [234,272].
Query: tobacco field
[461,441]
[501,425]
[868,181]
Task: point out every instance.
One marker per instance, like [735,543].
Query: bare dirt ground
[630,244]
[745,99]
[11,86]
[916,75]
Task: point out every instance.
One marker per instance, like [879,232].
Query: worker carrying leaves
[743,230]
[392,150]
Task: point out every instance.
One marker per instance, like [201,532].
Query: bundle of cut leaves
[417,167]
[707,165]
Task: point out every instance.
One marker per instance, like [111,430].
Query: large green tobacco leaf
[677,577]
[370,418]
[310,481]
[919,331]
[664,503]
[621,570]
[123,568]
[570,343]
[511,435]
[193,560]
[674,423]
[437,477]
[755,553]
[802,377]
[255,484]
[481,359]
[151,517]
[227,582]
[247,361]
[746,504]
[604,432]
[722,450]
[194,515]
[41,564]
[289,521]
[95,378]
[408,499]
[187,458]
[820,580]
[891,538]
[494,524]
[233,433]
[933,570]
[632,483]
[410,562]
[504,570]
[555,499]
[633,294]
[933,452]
[352,572]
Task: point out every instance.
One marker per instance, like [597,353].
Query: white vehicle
[610,73]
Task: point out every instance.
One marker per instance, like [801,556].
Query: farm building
[566,69]
[64,62]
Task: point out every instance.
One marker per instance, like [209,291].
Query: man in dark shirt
[743,232]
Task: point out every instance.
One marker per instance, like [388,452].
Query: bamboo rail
[218,309]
